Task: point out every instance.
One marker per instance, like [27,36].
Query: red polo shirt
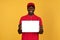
[30,35]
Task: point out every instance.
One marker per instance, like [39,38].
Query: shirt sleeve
[20,21]
[40,22]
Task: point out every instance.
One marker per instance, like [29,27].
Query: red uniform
[30,35]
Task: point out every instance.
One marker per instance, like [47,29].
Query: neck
[30,14]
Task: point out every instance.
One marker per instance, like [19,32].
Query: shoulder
[38,17]
[23,17]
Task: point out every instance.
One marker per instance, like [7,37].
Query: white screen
[30,26]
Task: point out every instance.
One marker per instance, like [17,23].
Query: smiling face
[31,10]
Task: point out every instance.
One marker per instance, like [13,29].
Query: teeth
[30,11]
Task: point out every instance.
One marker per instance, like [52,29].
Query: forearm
[19,29]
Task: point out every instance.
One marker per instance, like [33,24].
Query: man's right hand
[19,29]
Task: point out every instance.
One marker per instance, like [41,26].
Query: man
[30,16]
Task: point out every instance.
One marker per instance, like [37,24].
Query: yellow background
[12,10]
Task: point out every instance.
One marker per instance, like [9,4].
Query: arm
[19,29]
[41,26]
[41,30]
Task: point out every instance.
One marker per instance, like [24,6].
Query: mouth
[31,11]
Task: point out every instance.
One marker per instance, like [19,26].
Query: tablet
[30,26]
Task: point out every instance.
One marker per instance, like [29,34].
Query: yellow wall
[12,10]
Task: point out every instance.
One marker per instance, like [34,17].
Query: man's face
[31,10]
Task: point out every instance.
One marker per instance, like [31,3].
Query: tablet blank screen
[30,26]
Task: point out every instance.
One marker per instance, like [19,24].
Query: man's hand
[41,30]
[19,29]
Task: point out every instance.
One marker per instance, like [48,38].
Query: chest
[30,18]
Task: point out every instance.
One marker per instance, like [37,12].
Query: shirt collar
[31,15]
